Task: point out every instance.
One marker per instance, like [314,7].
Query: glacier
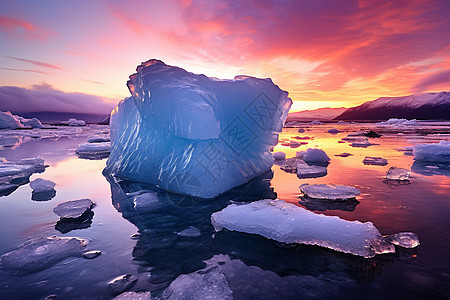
[192,134]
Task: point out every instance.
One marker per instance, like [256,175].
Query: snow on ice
[439,152]
[73,208]
[378,161]
[316,156]
[40,185]
[192,134]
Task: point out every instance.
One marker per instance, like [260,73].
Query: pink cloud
[37,63]
[15,27]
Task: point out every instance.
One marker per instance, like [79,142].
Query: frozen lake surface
[156,236]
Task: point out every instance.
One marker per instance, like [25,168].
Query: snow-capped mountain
[326,113]
[424,106]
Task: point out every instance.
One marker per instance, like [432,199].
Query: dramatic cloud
[433,80]
[44,98]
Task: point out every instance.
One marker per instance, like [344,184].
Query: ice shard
[192,134]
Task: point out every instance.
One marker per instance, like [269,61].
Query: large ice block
[288,223]
[192,134]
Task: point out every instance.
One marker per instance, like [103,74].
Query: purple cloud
[432,80]
[36,63]
[44,98]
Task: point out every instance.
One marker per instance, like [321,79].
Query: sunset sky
[323,52]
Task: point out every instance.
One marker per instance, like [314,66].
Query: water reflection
[326,204]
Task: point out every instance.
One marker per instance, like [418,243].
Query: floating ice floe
[439,152]
[73,208]
[121,283]
[92,254]
[329,191]
[16,173]
[94,150]
[373,160]
[288,223]
[41,252]
[98,139]
[295,144]
[344,154]
[361,143]
[210,284]
[211,134]
[333,130]
[40,185]
[133,296]
[395,173]
[300,130]
[279,155]
[306,171]
[316,156]
[404,239]
[9,121]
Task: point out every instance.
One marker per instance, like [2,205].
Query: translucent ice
[371,160]
[404,239]
[329,191]
[316,156]
[40,185]
[288,223]
[439,152]
[192,134]
[211,284]
[41,252]
[395,173]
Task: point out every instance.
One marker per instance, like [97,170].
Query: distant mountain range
[425,106]
[325,113]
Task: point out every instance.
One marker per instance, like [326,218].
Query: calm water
[256,268]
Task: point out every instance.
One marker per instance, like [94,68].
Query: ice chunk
[373,160]
[73,208]
[306,171]
[404,239]
[192,134]
[94,150]
[333,131]
[316,122]
[9,121]
[40,185]
[300,154]
[121,283]
[372,134]
[288,223]
[316,156]
[439,152]
[75,122]
[210,284]
[92,254]
[279,155]
[361,143]
[344,154]
[395,173]
[42,252]
[329,191]
[300,130]
[33,123]
[133,296]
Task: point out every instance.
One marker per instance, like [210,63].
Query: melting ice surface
[192,134]
[329,191]
[288,223]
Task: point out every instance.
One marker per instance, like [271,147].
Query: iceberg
[96,150]
[329,191]
[195,135]
[288,223]
[439,152]
[33,123]
[9,121]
